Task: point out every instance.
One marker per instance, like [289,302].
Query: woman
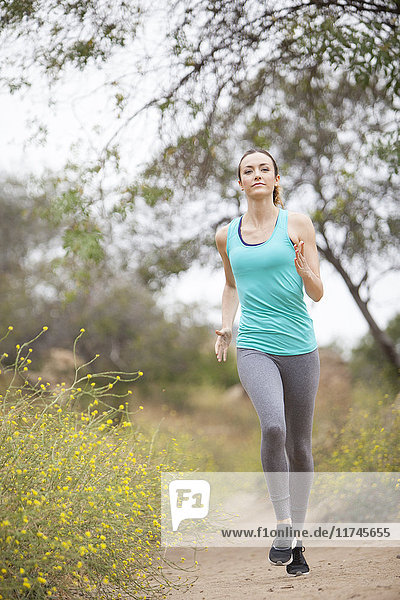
[270,256]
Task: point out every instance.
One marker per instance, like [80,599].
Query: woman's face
[257,175]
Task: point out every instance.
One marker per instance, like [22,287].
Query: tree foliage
[250,43]
[25,245]
[212,46]
[360,35]
[368,364]
[124,324]
[56,35]
[304,73]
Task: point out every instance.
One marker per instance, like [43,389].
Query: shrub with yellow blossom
[369,439]
[79,494]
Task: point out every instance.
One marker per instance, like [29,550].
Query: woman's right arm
[230,298]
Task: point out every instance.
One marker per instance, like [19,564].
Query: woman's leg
[300,376]
[261,379]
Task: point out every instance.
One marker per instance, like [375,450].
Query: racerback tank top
[274,317]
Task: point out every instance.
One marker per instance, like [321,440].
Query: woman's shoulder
[300,227]
[221,234]
[299,219]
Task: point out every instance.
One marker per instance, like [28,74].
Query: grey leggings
[282,390]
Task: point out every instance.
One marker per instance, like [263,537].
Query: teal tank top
[274,317]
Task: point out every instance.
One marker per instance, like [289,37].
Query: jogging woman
[270,257]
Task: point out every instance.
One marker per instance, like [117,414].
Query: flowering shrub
[369,439]
[79,494]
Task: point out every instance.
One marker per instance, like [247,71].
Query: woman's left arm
[307,261]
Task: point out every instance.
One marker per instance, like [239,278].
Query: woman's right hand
[223,340]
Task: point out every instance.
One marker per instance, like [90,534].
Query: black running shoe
[298,566]
[280,556]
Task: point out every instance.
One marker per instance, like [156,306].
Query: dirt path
[336,574]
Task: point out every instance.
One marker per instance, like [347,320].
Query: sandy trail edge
[238,573]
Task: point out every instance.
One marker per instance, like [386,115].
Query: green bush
[369,440]
[79,495]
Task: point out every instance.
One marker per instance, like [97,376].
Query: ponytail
[277,196]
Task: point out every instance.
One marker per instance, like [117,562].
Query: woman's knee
[300,456]
[274,435]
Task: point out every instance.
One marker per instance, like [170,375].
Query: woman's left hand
[301,264]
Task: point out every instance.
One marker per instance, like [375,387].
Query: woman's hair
[277,190]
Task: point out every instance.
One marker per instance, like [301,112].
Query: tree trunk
[381,337]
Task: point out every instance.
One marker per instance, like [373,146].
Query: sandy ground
[335,573]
